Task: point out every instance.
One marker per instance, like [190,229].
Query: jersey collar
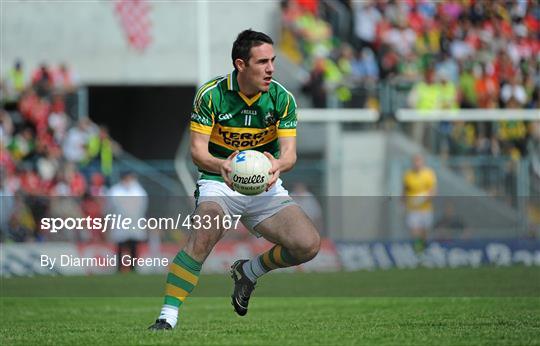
[232,85]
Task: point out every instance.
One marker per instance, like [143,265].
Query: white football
[249,174]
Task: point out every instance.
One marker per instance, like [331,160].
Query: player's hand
[274,170]
[226,169]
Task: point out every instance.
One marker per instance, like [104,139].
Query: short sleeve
[287,122]
[202,116]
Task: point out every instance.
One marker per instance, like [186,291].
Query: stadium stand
[51,163]
[425,55]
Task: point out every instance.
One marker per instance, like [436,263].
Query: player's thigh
[291,228]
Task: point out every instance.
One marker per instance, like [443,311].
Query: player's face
[418,162]
[260,67]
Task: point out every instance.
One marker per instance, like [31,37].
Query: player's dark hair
[246,40]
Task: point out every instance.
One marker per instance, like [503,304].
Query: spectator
[65,80]
[15,82]
[428,43]
[59,123]
[315,34]
[74,179]
[448,68]
[100,152]
[448,93]
[487,89]
[97,185]
[74,145]
[389,62]
[504,68]
[513,94]
[42,81]
[48,165]
[425,95]
[315,85]
[401,38]
[22,145]
[6,126]
[31,184]
[366,18]
[7,163]
[468,96]
[364,69]
[92,207]
[419,187]
[128,199]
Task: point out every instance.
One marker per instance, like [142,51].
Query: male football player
[245,109]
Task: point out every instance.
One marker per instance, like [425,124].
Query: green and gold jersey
[236,122]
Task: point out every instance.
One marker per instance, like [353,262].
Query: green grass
[459,282]
[485,306]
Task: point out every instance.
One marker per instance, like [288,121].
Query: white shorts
[253,209]
[420,219]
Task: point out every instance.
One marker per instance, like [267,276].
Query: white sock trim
[254,269]
[170,314]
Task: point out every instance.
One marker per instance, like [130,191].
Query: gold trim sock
[276,257]
[182,278]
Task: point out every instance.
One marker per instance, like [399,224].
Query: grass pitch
[486,306]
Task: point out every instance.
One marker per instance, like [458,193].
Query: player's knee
[313,246]
[310,247]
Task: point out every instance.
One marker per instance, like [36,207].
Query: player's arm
[286,161]
[287,156]
[286,132]
[432,184]
[204,160]
[404,189]
[202,123]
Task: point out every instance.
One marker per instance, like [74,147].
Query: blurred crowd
[45,151]
[425,54]
[453,54]
[487,49]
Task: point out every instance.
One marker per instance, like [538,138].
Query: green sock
[182,279]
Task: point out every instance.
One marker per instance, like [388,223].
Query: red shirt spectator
[77,184]
[28,103]
[487,90]
[6,162]
[30,183]
[503,66]
[97,185]
[532,24]
[309,5]
[58,105]
[64,79]
[40,115]
[416,21]
[42,80]
[93,207]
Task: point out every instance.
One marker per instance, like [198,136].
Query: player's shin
[276,257]
[181,280]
